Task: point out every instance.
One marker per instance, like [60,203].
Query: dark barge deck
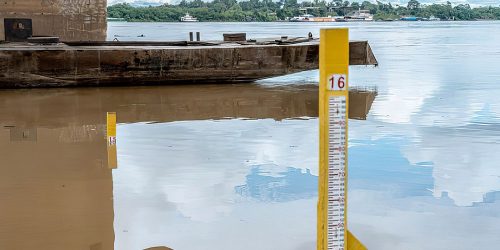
[24,65]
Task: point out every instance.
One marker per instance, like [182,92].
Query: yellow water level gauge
[111,140]
[334,108]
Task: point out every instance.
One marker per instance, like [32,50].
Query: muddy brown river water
[235,166]
[56,188]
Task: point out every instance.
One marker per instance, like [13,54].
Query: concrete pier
[70,20]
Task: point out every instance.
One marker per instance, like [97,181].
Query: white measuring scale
[337,120]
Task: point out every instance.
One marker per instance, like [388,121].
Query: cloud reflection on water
[423,172]
[191,171]
[285,185]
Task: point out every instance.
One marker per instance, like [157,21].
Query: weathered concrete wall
[71,20]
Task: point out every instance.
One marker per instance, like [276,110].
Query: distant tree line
[267,10]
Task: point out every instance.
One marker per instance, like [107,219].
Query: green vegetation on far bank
[267,10]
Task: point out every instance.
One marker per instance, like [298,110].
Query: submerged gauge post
[333,116]
[111,140]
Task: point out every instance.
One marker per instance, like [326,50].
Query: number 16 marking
[336,82]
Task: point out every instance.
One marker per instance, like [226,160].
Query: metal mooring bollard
[190,36]
[198,36]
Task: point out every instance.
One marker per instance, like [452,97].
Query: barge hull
[24,66]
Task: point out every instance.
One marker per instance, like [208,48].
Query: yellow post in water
[111,140]
[333,118]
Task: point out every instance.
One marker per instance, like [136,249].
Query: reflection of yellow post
[111,140]
[333,116]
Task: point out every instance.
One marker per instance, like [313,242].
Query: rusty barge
[84,58]
[138,63]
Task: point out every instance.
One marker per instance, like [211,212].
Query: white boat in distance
[302,18]
[189,18]
[359,15]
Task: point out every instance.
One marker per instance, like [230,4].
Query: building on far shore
[70,20]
